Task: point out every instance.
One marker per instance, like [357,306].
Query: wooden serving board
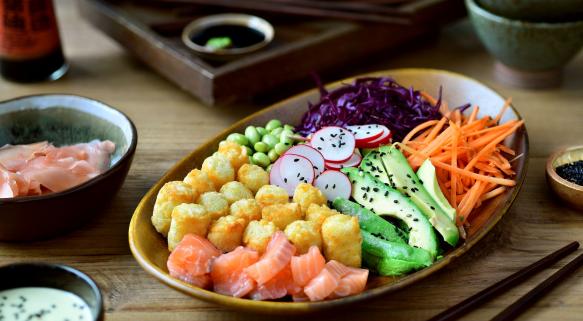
[151,30]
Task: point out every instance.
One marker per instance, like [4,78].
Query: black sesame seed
[386,193]
[296,160]
[433,208]
[396,201]
[415,220]
[285,180]
[321,138]
[375,189]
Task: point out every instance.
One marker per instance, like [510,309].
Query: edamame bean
[272,155]
[284,137]
[249,150]
[276,132]
[252,135]
[270,140]
[273,124]
[261,159]
[281,148]
[262,131]
[261,147]
[238,138]
[289,127]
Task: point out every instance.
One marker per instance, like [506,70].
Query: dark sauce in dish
[573,172]
[241,36]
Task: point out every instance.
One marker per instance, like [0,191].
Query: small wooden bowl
[570,193]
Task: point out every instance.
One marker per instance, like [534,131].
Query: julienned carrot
[472,163]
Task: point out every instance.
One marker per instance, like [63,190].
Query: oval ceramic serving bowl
[63,120]
[150,248]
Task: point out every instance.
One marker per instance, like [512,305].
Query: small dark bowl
[63,120]
[54,276]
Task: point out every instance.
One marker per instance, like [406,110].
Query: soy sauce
[241,36]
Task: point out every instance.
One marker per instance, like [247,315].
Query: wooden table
[172,123]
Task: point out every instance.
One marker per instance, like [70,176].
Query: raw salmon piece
[305,267]
[228,272]
[191,259]
[277,256]
[300,297]
[326,281]
[279,286]
[352,283]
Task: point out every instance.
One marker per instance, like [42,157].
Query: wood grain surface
[171,123]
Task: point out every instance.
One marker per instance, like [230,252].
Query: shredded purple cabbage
[370,101]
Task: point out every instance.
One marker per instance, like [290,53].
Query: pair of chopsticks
[520,305]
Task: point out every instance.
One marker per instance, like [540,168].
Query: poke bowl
[151,237]
[32,125]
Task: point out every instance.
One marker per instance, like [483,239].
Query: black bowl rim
[127,155]
[65,269]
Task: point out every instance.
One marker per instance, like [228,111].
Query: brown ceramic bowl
[570,193]
[151,251]
[63,120]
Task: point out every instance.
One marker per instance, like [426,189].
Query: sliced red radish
[334,184]
[336,144]
[353,161]
[309,152]
[293,170]
[366,133]
[384,139]
[275,174]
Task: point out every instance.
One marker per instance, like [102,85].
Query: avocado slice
[396,172]
[369,221]
[385,201]
[391,258]
[426,174]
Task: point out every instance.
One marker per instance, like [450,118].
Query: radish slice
[293,170]
[366,133]
[275,174]
[384,139]
[336,144]
[311,154]
[334,184]
[353,161]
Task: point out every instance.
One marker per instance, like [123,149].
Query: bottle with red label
[30,46]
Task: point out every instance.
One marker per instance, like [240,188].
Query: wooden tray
[151,30]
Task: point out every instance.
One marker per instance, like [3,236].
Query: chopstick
[516,308]
[477,299]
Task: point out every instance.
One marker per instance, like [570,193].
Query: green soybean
[261,159]
[261,147]
[284,137]
[238,138]
[281,148]
[273,155]
[252,135]
[288,127]
[273,124]
[276,132]
[249,150]
[262,131]
[270,140]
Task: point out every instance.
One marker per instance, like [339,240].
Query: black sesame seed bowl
[52,276]
[564,182]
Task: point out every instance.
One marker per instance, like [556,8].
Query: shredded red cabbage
[370,101]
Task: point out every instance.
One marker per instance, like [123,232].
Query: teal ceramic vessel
[536,10]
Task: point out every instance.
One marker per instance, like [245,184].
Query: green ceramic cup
[526,47]
[536,10]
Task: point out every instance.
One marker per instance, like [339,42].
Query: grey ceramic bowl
[57,277]
[530,48]
[63,120]
[536,10]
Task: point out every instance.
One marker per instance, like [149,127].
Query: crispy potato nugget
[226,233]
[304,234]
[236,153]
[341,239]
[200,182]
[253,176]
[270,195]
[319,213]
[282,214]
[234,191]
[215,203]
[257,235]
[306,194]
[247,209]
[170,195]
[219,169]
[187,219]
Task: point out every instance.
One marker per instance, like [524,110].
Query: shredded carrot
[472,163]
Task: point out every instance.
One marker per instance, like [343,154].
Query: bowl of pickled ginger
[62,159]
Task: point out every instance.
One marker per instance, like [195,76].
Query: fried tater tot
[226,233]
[247,209]
[253,176]
[341,240]
[170,195]
[319,213]
[270,195]
[200,182]
[236,153]
[234,191]
[303,235]
[257,235]
[187,219]
[282,214]
[215,203]
[306,195]
[219,169]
